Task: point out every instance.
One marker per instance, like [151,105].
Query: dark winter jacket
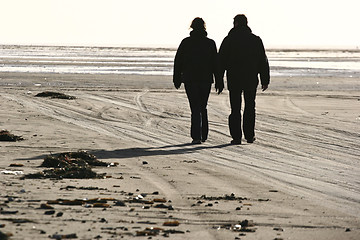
[242,55]
[195,59]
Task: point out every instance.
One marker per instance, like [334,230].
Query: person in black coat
[242,56]
[195,65]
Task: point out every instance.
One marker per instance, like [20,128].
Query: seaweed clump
[72,159]
[67,172]
[54,95]
[6,136]
[75,165]
[227,197]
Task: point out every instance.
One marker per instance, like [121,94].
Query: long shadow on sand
[153,151]
[143,152]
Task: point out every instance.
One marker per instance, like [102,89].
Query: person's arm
[222,58]
[264,68]
[178,62]
[221,65]
[219,81]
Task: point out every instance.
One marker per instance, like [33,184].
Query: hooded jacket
[195,59]
[242,55]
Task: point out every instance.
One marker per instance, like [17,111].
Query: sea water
[159,61]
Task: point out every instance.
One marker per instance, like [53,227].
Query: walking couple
[242,56]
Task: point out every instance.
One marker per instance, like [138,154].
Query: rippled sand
[299,180]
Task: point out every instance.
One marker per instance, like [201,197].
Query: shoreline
[140,81]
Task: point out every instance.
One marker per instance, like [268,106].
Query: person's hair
[198,24]
[240,20]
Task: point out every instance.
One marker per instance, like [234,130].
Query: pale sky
[280,23]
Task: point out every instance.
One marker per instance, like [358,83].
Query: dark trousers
[249,114]
[198,95]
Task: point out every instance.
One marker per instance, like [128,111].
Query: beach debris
[237,227]
[59,214]
[5,236]
[82,188]
[67,202]
[80,158]
[146,222]
[18,220]
[113,164]
[279,229]
[68,187]
[6,136]
[120,203]
[46,206]
[93,202]
[101,205]
[67,172]
[16,165]
[173,231]
[63,236]
[134,177]
[154,231]
[227,197]
[8,172]
[111,202]
[243,226]
[55,95]
[263,199]
[50,212]
[171,223]
[190,161]
[161,205]
[8,212]
[73,165]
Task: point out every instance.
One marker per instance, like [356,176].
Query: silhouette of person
[195,65]
[242,56]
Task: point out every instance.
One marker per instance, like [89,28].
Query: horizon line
[163,46]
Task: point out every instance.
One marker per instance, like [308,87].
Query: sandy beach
[299,180]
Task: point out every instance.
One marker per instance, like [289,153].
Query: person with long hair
[195,65]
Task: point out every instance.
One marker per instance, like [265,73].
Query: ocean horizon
[159,60]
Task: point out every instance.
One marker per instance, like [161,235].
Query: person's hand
[264,87]
[177,85]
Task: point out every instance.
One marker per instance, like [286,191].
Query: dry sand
[299,180]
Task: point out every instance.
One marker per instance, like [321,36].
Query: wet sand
[299,180]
